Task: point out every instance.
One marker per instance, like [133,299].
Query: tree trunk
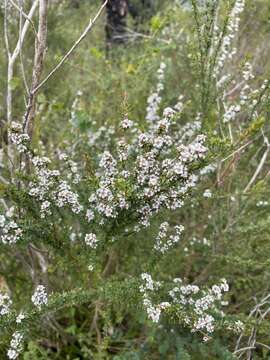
[75,4]
[116,22]
[141,10]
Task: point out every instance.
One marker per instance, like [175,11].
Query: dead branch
[40,48]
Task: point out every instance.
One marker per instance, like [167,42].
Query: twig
[260,166]
[27,17]
[40,48]
[238,150]
[12,59]
[74,46]
[263,345]
[21,57]
[244,349]
[6,31]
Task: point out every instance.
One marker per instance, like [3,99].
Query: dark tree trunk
[75,4]
[141,10]
[117,11]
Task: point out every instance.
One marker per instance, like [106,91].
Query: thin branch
[12,58]
[258,170]
[21,56]
[40,49]
[237,151]
[74,46]
[245,348]
[6,31]
[24,30]
[263,345]
[27,17]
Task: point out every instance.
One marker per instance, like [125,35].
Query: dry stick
[12,59]
[12,56]
[244,349]
[66,56]
[6,31]
[30,110]
[237,151]
[21,55]
[263,345]
[19,8]
[258,170]
[40,48]
[251,314]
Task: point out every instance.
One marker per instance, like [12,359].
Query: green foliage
[99,314]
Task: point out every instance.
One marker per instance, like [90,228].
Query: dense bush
[134,210]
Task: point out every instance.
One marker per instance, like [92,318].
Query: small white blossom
[207,193]
[40,297]
[16,346]
[5,303]
[20,318]
[91,240]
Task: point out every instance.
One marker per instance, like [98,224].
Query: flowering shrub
[89,219]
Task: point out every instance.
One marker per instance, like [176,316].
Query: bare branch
[21,56]
[6,31]
[24,30]
[74,46]
[40,48]
[27,17]
[12,59]
[260,166]
[245,348]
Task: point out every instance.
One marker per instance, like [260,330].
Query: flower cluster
[5,303]
[91,240]
[226,51]
[207,193]
[40,296]
[160,175]
[10,232]
[16,346]
[47,186]
[231,113]
[154,99]
[198,306]
[18,137]
[149,285]
[165,242]
[246,97]
[127,124]
[20,318]
[150,169]
[50,190]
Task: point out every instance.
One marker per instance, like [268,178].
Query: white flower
[2,220]
[20,318]
[126,123]
[40,297]
[207,193]
[90,267]
[168,112]
[15,346]
[90,215]
[91,240]
[5,303]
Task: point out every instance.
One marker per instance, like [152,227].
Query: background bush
[99,314]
